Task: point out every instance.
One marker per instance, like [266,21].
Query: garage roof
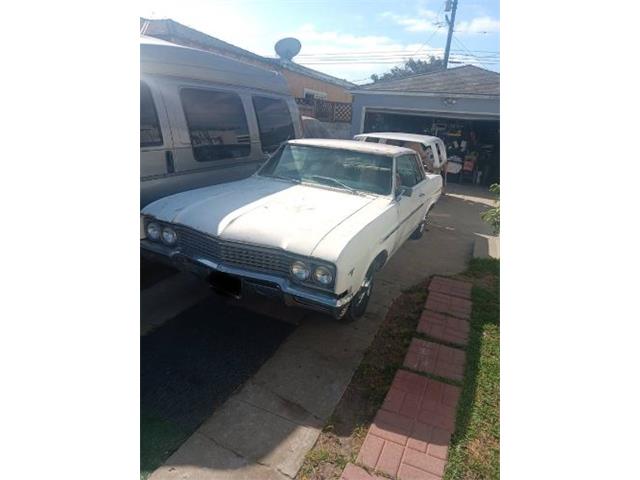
[465,80]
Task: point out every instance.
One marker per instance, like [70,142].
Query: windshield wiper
[283,177]
[336,182]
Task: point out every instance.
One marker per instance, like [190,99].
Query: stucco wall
[435,106]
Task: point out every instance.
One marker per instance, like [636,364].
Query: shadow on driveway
[190,365]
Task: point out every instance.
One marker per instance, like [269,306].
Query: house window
[310,94]
[150,134]
[274,122]
[217,124]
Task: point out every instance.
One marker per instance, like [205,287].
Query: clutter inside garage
[473,146]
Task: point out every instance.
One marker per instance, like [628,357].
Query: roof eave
[425,94]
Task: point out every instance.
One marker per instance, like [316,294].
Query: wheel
[418,232]
[360,301]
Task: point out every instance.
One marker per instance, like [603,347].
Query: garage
[460,105]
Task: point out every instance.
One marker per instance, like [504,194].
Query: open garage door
[470,138]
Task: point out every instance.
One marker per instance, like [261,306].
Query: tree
[410,67]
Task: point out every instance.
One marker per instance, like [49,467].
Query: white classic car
[311,226]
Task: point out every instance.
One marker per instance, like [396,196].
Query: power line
[473,56]
[382,51]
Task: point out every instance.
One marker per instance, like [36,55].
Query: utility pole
[452,7]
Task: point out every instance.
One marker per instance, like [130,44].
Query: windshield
[344,169]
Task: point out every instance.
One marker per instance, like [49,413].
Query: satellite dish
[287,48]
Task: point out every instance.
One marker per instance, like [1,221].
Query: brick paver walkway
[353,472]
[449,286]
[455,306]
[409,438]
[440,360]
[444,327]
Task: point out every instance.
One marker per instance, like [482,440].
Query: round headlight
[169,235]
[300,270]
[153,231]
[323,275]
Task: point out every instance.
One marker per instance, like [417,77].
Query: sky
[349,39]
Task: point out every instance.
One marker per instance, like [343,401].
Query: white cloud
[316,44]
[425,21]
[239,27]
[478,25]
[429,21]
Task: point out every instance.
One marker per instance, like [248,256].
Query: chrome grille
[194,243]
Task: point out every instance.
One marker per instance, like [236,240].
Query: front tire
[418,232]
[360,302]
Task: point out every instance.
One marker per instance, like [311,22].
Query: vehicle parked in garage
[431,149]
[312,226]
[206,119]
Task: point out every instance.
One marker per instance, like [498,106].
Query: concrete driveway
[264,430]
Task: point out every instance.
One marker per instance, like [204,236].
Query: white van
[206,119]
[431,149]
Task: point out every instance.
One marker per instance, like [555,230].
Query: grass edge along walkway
[474,448]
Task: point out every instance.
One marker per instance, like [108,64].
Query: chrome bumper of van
[262,283]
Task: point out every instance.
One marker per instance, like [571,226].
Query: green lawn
[475,446]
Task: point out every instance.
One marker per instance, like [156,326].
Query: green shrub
[492,215]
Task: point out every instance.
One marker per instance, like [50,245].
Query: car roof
[353,145]
[407,137]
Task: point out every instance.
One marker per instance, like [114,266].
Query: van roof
[164,58]
[407,137]
[352,145]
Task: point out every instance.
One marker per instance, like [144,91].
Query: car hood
[262,211]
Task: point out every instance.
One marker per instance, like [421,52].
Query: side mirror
[403,191]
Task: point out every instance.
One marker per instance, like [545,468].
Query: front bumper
[263,283]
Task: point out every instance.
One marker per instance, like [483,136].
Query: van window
[397,143]
[409,171]
[217,124]
[150,134]
[274,122]
[372,139]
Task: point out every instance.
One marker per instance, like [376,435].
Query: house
[460,104]
[319,95]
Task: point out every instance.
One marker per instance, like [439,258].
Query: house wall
[297,84]
[416,104]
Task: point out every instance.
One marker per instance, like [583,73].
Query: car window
[274,122]
[150,134]
[429,159]
[397,143]
[440,152]
[314,129]
[408,170]
[420,169]
[217,124]
[372,139]
[332,167]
